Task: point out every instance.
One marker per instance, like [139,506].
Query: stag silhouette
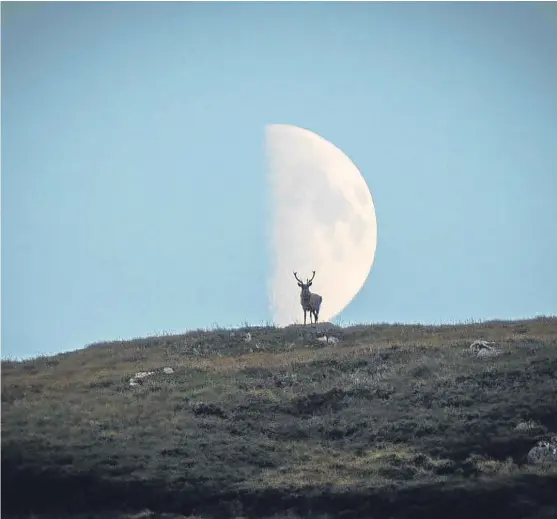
[310,302]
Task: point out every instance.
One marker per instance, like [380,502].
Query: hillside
[390,422]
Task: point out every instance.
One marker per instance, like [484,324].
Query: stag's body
[310,302]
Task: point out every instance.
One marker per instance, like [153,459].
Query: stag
[310,302]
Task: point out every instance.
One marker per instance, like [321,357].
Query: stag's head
[305,286]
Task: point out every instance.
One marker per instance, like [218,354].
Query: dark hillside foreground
[376,422]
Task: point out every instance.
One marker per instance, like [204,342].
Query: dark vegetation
[392,422]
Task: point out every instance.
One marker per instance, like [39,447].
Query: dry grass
[337,468]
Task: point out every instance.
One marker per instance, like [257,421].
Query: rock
[143,374]
[137,379]
[544,452]
[329,339]
[484,349]
[478,345]
[247,337]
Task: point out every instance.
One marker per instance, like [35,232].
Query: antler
[297,278]
[310,280]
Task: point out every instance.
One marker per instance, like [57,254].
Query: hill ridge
[390,421]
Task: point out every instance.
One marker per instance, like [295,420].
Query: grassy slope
[393,422]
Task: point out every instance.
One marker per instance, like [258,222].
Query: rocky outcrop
[544,452]
[484,349]
[137,379]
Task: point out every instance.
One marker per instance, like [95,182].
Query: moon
[322,219]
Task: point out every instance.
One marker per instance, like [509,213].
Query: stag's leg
[304,317]
[316,316]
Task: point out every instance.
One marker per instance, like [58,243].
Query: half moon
[323,219]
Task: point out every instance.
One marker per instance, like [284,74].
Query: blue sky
[134,170]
